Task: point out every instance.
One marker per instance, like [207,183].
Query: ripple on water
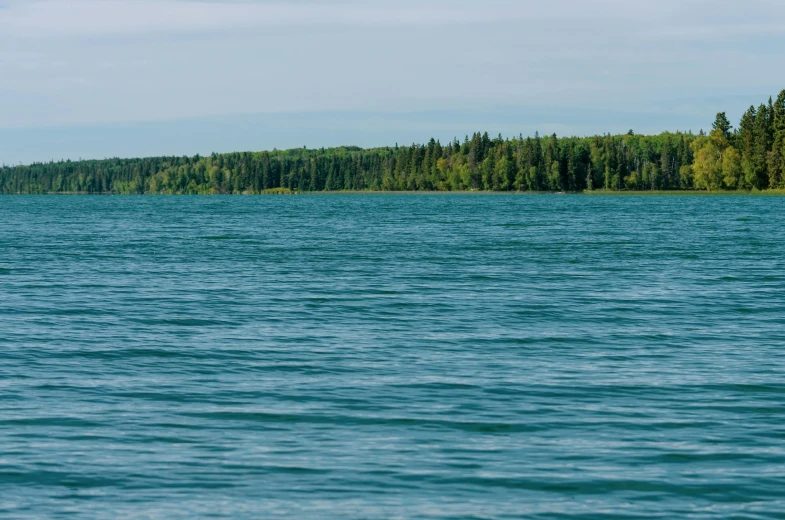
[392,357]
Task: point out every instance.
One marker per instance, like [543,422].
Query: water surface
[392,356]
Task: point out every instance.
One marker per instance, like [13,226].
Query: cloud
[123,18]
[103,61]
[129,17]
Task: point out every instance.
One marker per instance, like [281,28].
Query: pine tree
[745,141]
[776,159]
[722,124]
[666,164]
[757,176]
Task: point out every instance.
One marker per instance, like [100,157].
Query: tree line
[750,157]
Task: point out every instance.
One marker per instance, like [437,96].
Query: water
[392,356]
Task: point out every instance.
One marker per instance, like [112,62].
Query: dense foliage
[750,157]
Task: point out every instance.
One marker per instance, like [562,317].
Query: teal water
[392,356]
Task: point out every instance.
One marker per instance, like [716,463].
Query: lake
[392,356]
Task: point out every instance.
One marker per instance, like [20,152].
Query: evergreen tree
[722,124]
[751,157]
[776,159]
[757,175]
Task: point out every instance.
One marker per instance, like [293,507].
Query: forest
[748,157]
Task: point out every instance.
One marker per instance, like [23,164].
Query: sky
[105,78]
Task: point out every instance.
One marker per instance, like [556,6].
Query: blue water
[392,356]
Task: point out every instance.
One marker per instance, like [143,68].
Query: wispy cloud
[663,18]
[123,17]
[98,61]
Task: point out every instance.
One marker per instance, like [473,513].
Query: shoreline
[592,193]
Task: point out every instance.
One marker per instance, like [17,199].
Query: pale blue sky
[98,78]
